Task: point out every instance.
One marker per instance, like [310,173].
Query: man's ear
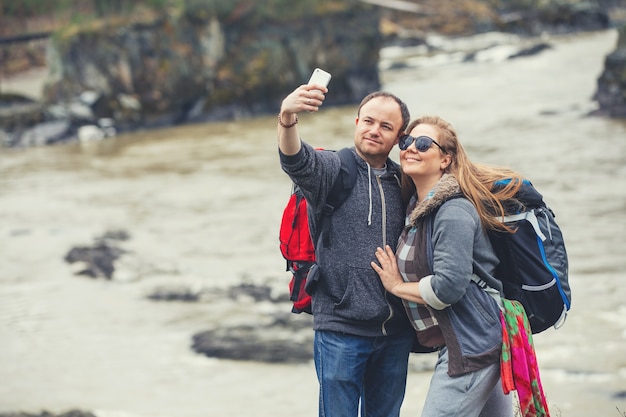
[357,121]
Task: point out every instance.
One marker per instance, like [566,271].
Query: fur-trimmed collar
[445,188]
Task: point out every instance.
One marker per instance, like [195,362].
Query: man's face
[377,130]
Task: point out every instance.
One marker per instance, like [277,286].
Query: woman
[450,206]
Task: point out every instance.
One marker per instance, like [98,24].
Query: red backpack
[296,244]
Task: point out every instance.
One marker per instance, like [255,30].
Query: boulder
[611,90]
[98,260]
[284,340]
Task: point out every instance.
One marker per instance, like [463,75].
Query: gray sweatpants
[476,394]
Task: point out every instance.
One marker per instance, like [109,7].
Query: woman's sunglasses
[422,143]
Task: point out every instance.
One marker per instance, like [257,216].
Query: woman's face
[428,163]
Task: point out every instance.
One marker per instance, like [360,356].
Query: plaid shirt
[412,270]
[414,257]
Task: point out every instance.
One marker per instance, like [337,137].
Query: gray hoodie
[350,297]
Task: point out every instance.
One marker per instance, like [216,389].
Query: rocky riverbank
[204,65]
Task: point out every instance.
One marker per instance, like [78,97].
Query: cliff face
[224,59]
[198,66]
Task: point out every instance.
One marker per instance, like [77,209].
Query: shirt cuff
[428,294]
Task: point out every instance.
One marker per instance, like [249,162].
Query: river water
[202,204]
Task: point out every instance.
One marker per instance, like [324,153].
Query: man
[362,335]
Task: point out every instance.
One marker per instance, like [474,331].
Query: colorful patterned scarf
[519,367]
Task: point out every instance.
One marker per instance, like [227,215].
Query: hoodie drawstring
[369,178]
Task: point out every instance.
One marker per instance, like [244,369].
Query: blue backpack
[533,265]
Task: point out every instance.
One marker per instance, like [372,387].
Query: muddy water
[202,205]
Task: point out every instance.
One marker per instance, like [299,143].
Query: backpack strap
[338,194]
[484,279]
[479,275]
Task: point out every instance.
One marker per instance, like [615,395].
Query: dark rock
[533,50]
[243,293]
[76,413]
[46,133]
[120,235]
[611,88]
[288,339]
[257,292]
[174,294]
[265,337]
[99,258]
[71,413]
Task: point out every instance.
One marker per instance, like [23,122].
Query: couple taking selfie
[396,274]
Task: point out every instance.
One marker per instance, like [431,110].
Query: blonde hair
[475,180]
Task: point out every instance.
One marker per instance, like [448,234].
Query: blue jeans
[371,370]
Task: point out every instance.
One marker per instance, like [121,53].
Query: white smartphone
[320,77]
